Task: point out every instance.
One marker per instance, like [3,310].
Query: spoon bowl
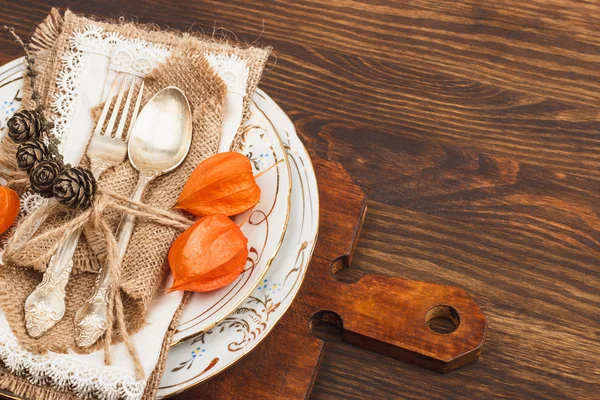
[152,147]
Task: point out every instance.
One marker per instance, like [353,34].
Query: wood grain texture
[473,126]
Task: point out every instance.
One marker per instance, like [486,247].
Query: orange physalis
[222,184]
[9,208]
[209,255]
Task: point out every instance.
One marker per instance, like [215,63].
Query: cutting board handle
[397,317]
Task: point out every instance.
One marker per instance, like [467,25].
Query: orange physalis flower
[222,184]
[9,208]
[209,255]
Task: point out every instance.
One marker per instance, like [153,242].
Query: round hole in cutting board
[442,319]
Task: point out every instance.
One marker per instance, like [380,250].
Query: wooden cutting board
[383,314]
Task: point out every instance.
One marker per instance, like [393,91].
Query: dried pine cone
[75,187]
[30,153]
[25,125]
[42,177]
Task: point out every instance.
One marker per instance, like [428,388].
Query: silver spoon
[159,143]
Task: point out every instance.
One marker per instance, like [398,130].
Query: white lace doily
[61,372]
[131,56]
[31,201]
[63,103]
[137,57]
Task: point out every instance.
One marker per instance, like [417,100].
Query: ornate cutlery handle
[45,306]
[91,320]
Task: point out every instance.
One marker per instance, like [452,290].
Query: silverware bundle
[157,142]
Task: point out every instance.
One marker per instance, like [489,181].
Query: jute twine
[144,267]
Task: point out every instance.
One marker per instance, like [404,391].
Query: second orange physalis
[209,255]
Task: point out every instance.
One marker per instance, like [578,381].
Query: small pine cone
[75,187]
[30,153]
[25,125]
[42,177]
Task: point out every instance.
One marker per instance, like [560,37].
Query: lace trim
[63,103]
[137,57]
[93,40]
[131,56]
[232,69]
[61,372]
[31,201]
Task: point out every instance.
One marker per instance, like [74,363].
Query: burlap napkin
[144,266]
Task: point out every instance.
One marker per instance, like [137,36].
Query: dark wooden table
[473,126]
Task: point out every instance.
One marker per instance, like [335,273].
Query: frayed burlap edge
[21,387]
[154,381]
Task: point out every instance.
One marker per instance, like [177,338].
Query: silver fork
[45,306]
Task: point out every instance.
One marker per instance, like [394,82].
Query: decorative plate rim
[285,308]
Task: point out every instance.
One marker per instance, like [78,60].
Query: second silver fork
[45,306]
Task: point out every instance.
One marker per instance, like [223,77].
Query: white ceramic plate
[197,359]
[11,82]
[204,355]
[264,229]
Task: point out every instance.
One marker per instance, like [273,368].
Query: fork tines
[121,83]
